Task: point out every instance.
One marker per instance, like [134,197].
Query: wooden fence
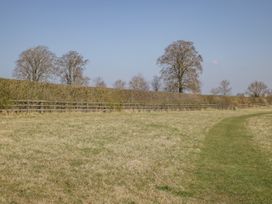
[64,106]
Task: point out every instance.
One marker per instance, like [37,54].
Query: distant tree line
[181,66]
[254,89]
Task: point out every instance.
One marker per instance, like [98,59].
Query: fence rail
[66,106]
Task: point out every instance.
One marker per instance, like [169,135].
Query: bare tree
[215,91]
[181,66]
[156,83]
[240,94]
[269,92]
[70,68]
[119,84]
[169,87]
[223,89]
[257,89]
[99,82]
[138,82]
[35,64]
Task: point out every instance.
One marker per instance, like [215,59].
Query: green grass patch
[232,168]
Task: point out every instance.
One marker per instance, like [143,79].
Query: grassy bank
[22,90]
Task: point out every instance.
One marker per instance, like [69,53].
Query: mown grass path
[232,169]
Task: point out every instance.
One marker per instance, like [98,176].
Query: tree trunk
[180,90]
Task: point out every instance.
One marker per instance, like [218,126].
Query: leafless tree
[156,83]
[215,91]
[138,82]
[257,89]
[169,87]
[223,89]
[269,92]
[99,82]
[35,64]
[70,68]
[240,94]
[119,84]
[181,66]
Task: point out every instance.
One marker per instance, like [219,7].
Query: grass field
[174,157]
[261,128]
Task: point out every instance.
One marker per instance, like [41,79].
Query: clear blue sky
[124,38]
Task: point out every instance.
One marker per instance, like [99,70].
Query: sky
[125,38]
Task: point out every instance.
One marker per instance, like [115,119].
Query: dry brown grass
[261,128]
[101,157]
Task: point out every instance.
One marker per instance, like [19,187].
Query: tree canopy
[181,66]
[223,89]
[138,82]
[257,89]
[71,66]
[35,64]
